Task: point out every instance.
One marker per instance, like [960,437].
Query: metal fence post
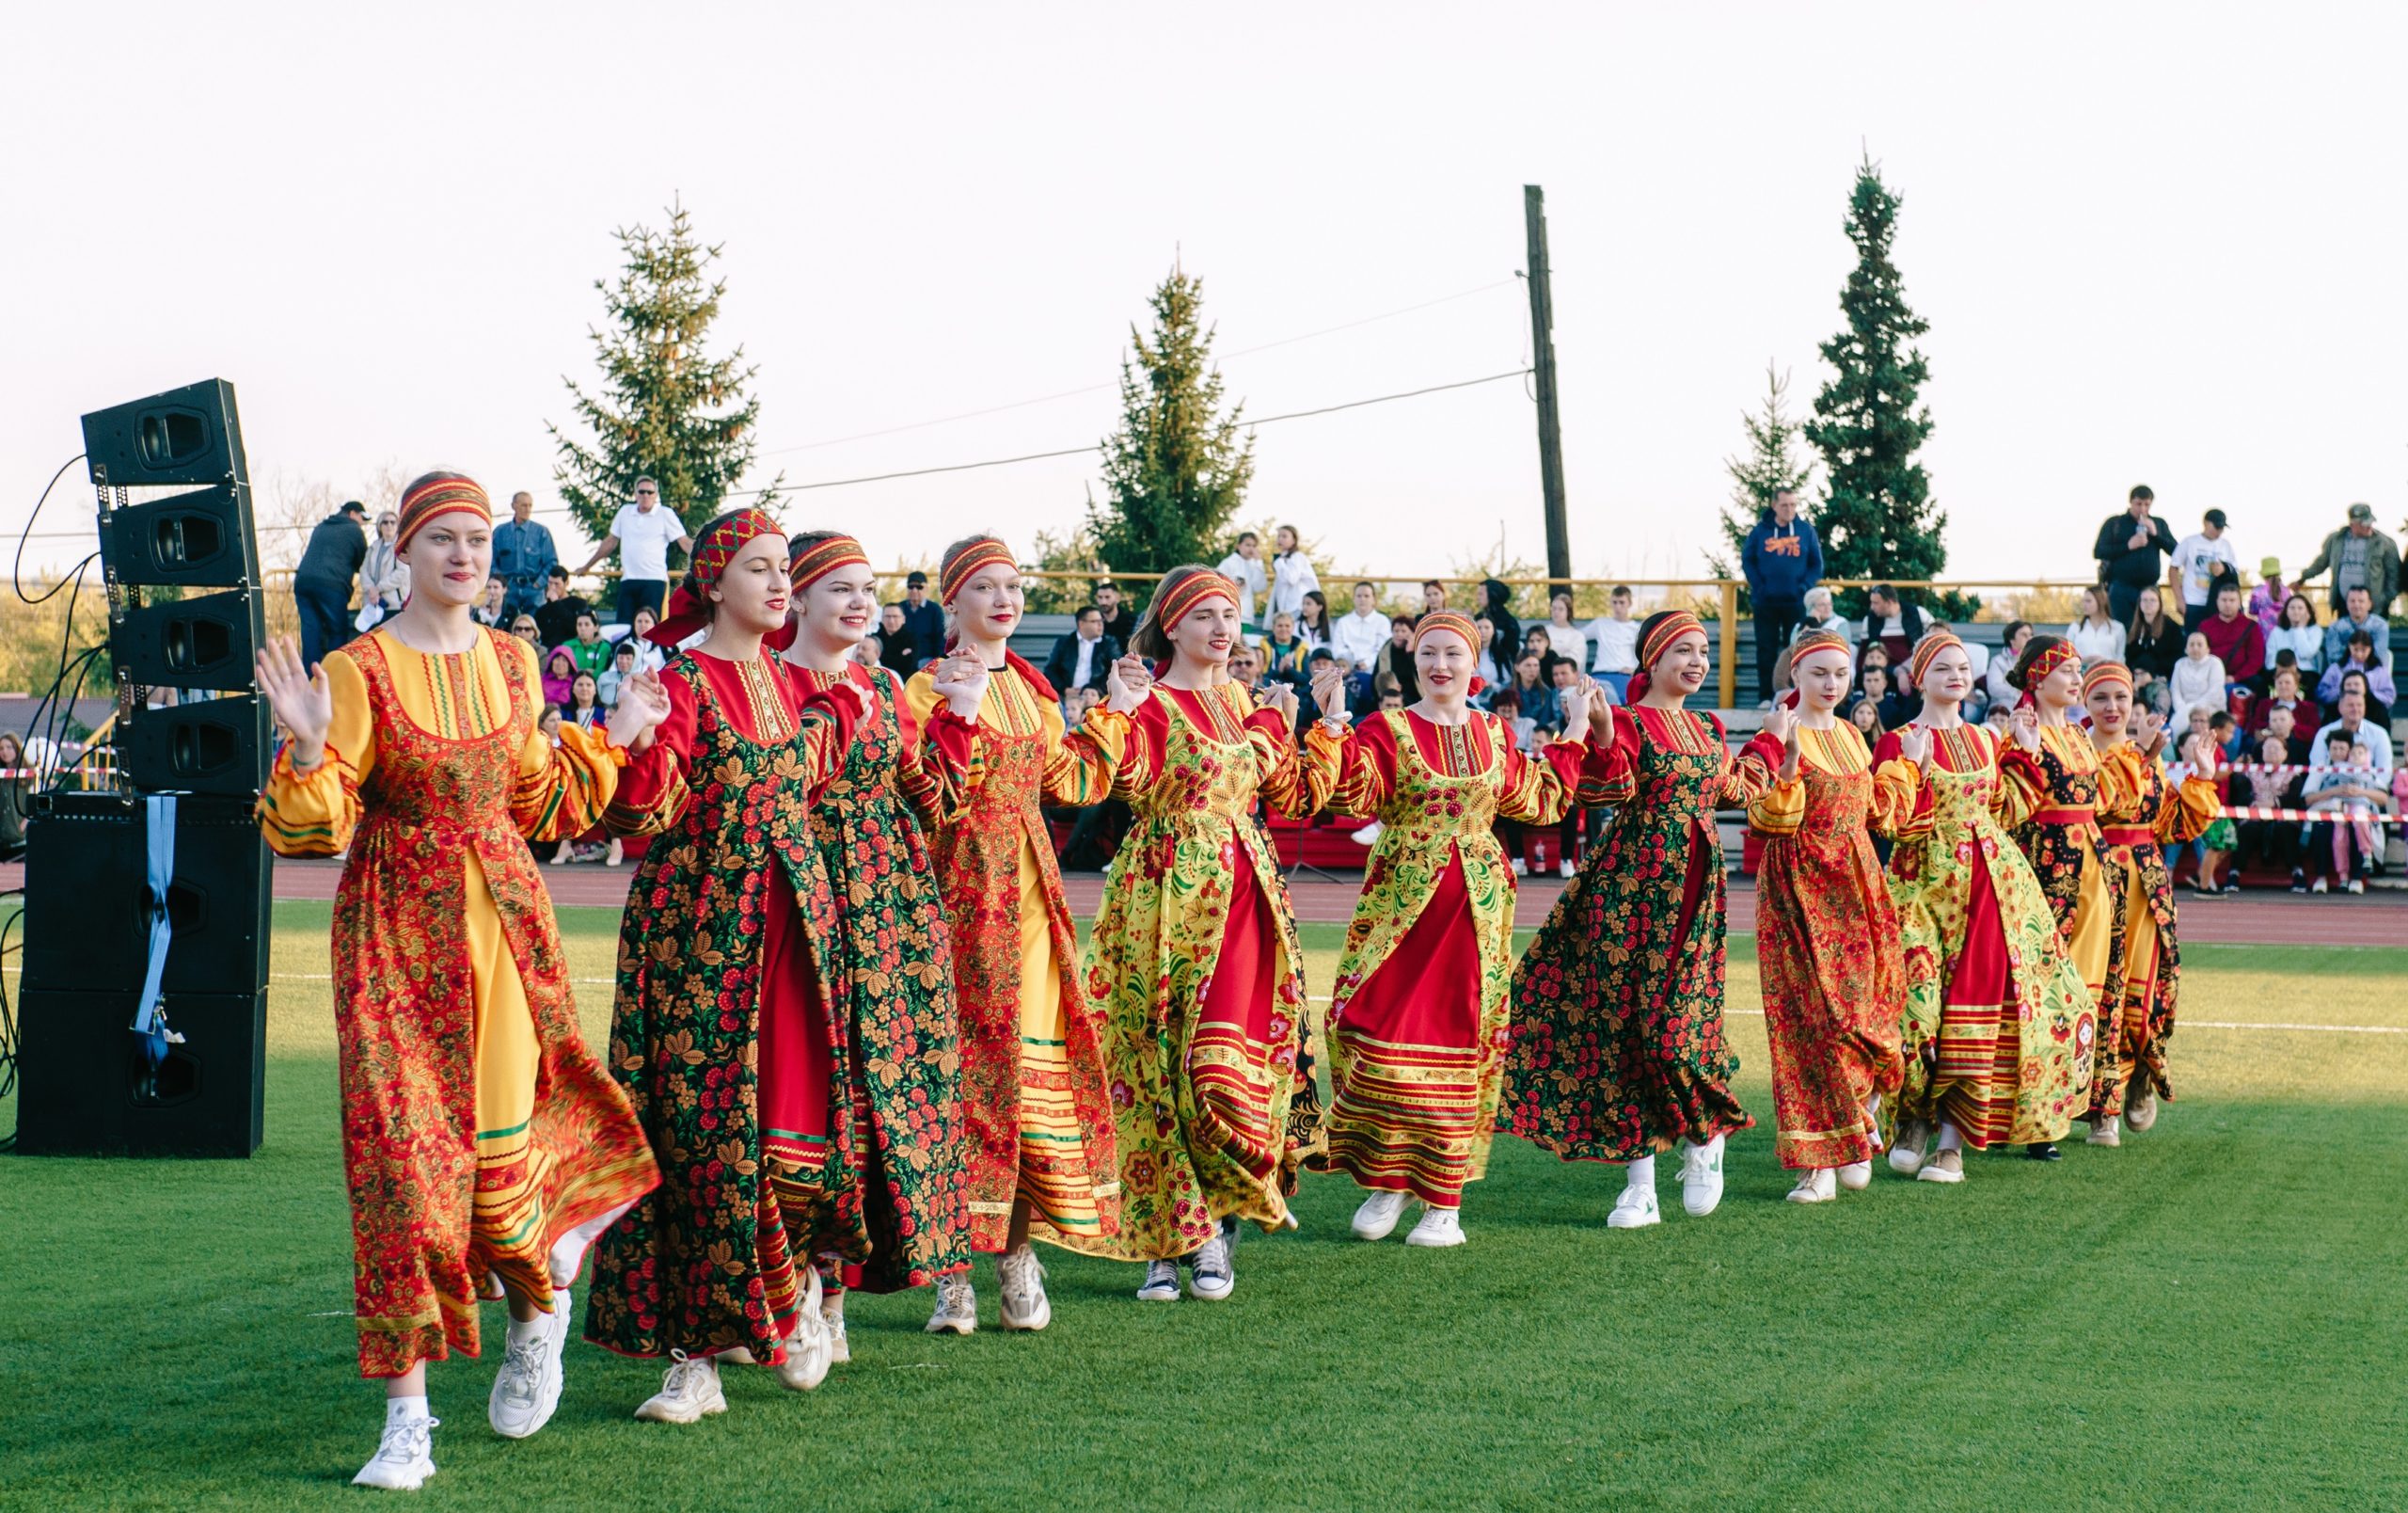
[1728,682]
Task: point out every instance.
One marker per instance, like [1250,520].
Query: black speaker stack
[186,612]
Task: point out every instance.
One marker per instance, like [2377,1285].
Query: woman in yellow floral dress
[1193,956]
[480,1139]
[1418,1022]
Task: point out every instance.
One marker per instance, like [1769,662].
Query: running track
[2378,918]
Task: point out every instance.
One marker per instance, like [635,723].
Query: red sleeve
[1609,774]
[1767,750]
[2248,653]
[652,773]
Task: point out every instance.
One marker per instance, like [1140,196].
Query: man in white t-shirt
[642,536]
[1244,567]
[1360,637]
[2198,556]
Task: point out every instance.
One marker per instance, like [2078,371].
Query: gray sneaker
[1160,1284]
[1025,1306]
[527,1390]
[1212,1278]
[957,1306]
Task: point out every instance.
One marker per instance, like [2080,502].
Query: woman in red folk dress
[1040,1150]
[1827,939]
[1418,1017]
[481,1139]
[1194,958]
[1617,1049]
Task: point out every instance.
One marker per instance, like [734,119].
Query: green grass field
[2208,1319]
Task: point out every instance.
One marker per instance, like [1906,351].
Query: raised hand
[2148,730]
[2026,728]
[1574,703]
[1781,724]
[1129,682]
[1790,746]
[1914,744]
[1279,697]
[962,680]
[299,696]
[644,704]
[1329,693]
[1601,722]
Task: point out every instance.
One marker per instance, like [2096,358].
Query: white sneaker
[1521,868]
[1563,867]
[691,1391]
[2107,1131]
[1948,1166]
[808,1348]
[2318,887]
[1701,1177]
[1439,1228]
[1376,1219]
[404,1456]
[1856,1175]
[1211,1277]
[2357,885]
[1907,1153]
[1025,1305]
[1369,834]
[527,1390]
[831,1314]
[957,1306]
[1816,1184]
[1635,1209]
[1160,1284]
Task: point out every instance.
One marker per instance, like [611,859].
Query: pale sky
[2155,243]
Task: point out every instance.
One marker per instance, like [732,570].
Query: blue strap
[150,1013]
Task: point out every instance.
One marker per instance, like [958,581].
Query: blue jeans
[1619,684]
[325,618]
[641,594]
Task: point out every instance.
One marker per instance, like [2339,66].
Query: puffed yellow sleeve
[2189,809]
[1341,772]
[1079,764]
[1780,811]
[313,813]
[560,791]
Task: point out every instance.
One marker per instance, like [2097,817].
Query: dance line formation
[855,1042]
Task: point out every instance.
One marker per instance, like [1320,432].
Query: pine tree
[1877,519]
[1769,467]
[1177,469]
[666,409]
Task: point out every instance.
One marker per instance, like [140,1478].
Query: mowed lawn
[2208,1319]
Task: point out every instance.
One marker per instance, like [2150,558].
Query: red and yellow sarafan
[2138,815]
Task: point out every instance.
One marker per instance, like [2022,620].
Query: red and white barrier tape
[2307,816]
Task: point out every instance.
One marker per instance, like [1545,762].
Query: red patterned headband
[1447,620]
[1919,661]
[984,551]
[2048,663]
[1186,594]
[439,493]
[1814,641]
[1673,626]
[690,608]
[2104,673]
[825,557]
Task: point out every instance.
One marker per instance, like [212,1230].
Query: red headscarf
[690,608]
[1458,624]
[1670,625]
[2046,662]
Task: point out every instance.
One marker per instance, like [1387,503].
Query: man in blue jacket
[523,558]
[1782,560]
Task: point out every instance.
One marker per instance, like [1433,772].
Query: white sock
[1642,1172]
[1949,1139]
[1873,1109]
[406,1409]
[531,1330]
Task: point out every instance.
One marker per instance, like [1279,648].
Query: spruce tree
[1877,519]
[1176,470]
[1769,465]
[666,409]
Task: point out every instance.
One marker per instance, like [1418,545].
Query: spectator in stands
[2004,694]
[2152,645]
[16,794]
[2359,556]
[649,658]
[2130,551]
[2205,559]
[1818,614]
[1536,642]
[2358,660]
[1119,621]
[2378,711]
[2285,724]
[1307,708]
[2097,633]
[1313,624]
[623,666]
[1891,624]
[523,555]
[1244,567]
[1084,657]
[556,620]
[2285,696]
[489,612]
[1780,559]
[1873,689]
[1291,575]
[384,578]
[2298,633]
[1507,707]
[2199,682]
[1613,643]
[525,630]
[1360,641]
[1563,638]
[550,724]
[2338,785]
[1493,662]
[2352,719]
[1533,694]
[2273,844]
[1498,599]
[584,709]
[2218,874]
[1397,660]
[2236,642]
[592,652]
[1433,598]
[1867,717]
[1284,651]
[560,675]
[322,584]
[896,652]
[642,533]
[2357,614]
[2266,600]
[1245,666]
[923,618]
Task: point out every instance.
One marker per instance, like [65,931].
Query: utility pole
[1558,533]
